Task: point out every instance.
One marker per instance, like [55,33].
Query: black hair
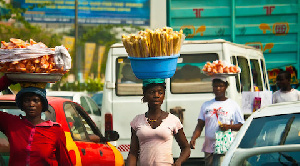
[287,74]
[145,88]
[217,80]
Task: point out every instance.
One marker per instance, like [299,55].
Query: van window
[245,73]
[264,73]
[256,74]
[85,105]
[94,106]
[188,77]
[237,80]
[127,84]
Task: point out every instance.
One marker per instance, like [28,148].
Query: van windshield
[126,82]
[188,77]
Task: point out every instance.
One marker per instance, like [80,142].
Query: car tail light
[108,122]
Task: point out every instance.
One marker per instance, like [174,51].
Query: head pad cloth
[38,91]
[222,78]
[146,82]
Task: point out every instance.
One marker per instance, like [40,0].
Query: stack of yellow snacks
[153,43]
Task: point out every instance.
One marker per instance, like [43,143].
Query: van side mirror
[111,135]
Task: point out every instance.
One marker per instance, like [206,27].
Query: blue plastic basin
[154,67]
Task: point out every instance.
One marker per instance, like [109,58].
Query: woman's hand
[233,127]
[177,163]
[192,144]
[225,127]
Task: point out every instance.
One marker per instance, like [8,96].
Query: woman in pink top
[152,133]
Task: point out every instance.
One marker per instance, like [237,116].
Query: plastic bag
[62,57]
[223,141]
[18,54]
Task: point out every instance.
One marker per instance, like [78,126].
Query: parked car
[82,135]
[270,136]
[82,98]
[97,97]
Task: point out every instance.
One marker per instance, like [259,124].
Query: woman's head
[219,87]
[154,90]
[32,98]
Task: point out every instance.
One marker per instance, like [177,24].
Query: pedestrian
[34,141]
[152,132]
[4,82]
[285,93]
[218,110]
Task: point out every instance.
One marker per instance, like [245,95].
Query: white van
[186,90]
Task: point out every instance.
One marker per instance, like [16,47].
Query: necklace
[153,120]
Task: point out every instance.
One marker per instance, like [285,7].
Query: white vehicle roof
[278,109]
[74,96]
[270,110]
[64,93]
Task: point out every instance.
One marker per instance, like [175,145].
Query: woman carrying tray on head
[220,113]
[34,141]
[152,132]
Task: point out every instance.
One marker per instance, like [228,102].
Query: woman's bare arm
[184,146]
[134,149]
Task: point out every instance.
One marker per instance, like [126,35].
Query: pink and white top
[156,144]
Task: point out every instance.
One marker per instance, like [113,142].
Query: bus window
[256,74]
[245,74]
[188,77]
[127,84]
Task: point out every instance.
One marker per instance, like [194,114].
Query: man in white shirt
[285,93]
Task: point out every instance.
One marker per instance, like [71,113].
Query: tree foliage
[38,34]
[103,35]
[22,29]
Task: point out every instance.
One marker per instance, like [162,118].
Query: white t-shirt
[228,112]
[280,96]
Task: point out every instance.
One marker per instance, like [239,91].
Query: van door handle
[178,111]
[83,151]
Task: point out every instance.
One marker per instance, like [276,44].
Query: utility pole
[77,57]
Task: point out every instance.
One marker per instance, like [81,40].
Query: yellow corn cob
[136,46]
[176,42]
[163,43]
[145,48]
[170,45]
[157,42]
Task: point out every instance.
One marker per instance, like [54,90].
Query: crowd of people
[151,131]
